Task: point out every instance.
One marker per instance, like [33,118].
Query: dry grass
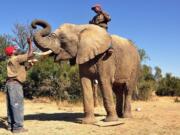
[157,117]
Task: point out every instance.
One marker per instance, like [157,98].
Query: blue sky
[153,25]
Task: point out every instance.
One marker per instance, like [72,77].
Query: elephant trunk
[41,38]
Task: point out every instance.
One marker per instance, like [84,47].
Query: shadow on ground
[3,123]
[68,117]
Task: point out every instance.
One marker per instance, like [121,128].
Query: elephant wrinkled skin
[88,45]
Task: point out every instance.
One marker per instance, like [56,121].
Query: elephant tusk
[43,53]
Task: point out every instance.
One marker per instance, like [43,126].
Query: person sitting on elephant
[101,18]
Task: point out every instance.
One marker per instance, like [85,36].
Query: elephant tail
[46,27]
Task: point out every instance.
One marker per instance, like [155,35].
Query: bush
[57,81]
[2,73]
[169,86]
[74,91]
[146,84]
[145,89]
[4,41]
[177,100]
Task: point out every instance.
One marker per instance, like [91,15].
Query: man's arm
[25,57]
[106,16]
[30,50]
[102,17]
[93,20]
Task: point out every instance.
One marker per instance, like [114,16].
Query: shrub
[177,100]
[57,81]
[169,86]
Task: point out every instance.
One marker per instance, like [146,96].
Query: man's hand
[29,40]
[30,54]
[32,61]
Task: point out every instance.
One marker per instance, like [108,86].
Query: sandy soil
[158,117]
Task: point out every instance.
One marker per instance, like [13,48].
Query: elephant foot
[111,118]
[127,115]
[120,115]
[89,120]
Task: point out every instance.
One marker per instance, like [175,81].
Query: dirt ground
[160,116]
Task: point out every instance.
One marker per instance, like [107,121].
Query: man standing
[101,19]
[16,76]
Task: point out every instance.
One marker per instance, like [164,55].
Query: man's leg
[9,109]
[17,105]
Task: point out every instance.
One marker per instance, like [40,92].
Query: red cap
[9,50]
[97,5]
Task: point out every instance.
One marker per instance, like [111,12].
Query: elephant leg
[127,105]
[88,101]
[119,92]
[95,94]
[108,101]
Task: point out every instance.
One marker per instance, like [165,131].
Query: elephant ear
[92,42]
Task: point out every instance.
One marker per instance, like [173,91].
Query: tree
[158,74]
[143,55]
[146,73]
[146,82]
[169,86]
[4,41]
[21,33]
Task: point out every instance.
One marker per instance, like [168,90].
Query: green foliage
[150,83]
[177,100]
[158,74]
[145,89]
[143,55]
[169,86]
[2,73]
[74,90]
[146,84]
[54,80]
[4,41]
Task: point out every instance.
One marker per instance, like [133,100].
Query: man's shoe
[9,128]
[20,130]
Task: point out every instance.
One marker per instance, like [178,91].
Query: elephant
[87,45]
